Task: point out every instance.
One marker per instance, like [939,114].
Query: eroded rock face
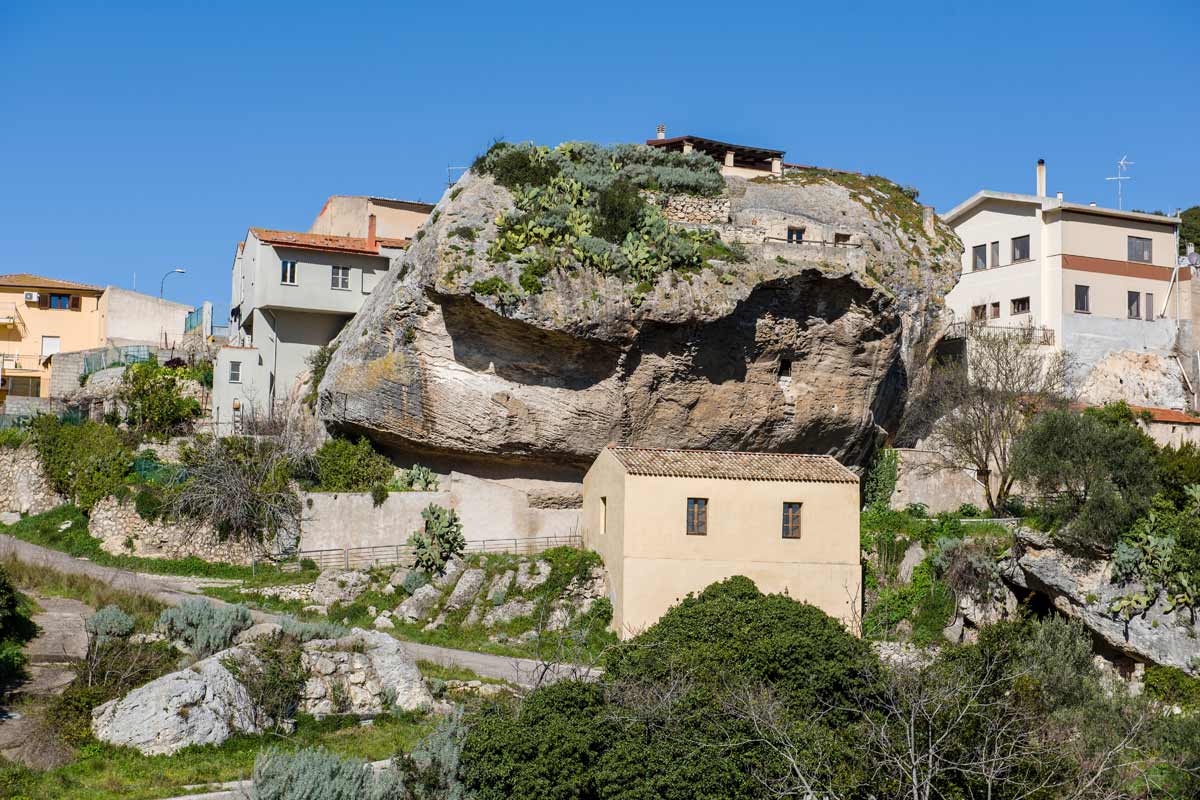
[203,704]
[361,674]
[799,349]
[1083,590]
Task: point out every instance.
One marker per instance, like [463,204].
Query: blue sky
[136,138]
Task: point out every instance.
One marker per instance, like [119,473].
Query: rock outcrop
[1084,590]
[801,348]
[24,488]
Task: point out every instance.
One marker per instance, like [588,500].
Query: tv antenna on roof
[1122,167]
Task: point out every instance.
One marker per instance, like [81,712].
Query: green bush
[204,627]
[1173,686]
[148,502]
[732,631]
[16,628]
[346,466]
[273,675]
[414,580]
[84,462]
[13,437]
[318,363]
[307,631]
[311,774]
[415,479]
[881,479]
[109,622]
[154,401]
[440,540]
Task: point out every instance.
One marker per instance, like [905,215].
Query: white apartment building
[1092,281]
[292,293]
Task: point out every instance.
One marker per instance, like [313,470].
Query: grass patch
[47,582]
[43,530]
[449,672]
[104,772]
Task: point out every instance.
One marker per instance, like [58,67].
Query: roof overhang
[713,145]
[1051,204]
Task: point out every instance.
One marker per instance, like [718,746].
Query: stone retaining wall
[122,531]
[23,486]
[690,208]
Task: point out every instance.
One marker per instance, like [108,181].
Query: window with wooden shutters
[791,520]
[75,303]
[697,516]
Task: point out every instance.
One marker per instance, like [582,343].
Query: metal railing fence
[390,555]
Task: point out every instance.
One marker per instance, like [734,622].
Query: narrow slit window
[1134,302]
[995,254]
[979,257]
[697,516]
[994,311]
[1149,306]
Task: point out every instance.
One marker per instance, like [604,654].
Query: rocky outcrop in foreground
[366,673]
[1083,590]
[802,347]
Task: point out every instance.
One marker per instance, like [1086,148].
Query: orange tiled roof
[26,280]
[386,242]
[315,241]
[1168,415]
[732,465]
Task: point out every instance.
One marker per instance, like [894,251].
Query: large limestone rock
[1083,590]
[417,606]
[800,349]
[339,586]
[465,590]
[1143,379]
[199,705]
[362,673]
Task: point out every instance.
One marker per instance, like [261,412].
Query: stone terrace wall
[122,531]
[23,486]
[691,208]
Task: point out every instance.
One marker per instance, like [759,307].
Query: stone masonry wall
[690,208]
[23,486]
[122,531]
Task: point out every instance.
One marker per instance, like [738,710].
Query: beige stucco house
[669,522]
[1090,280]
[350,215]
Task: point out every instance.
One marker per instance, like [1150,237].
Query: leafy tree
[84,462]
[977,409]
[154,401]
[1180,468]
[1094,474]
[1190,230]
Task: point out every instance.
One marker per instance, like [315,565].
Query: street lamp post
[164,279]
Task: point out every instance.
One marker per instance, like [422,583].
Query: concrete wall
[660,563]
[488,511]
[939,489]
[348,216]
[1173,434]
[1107,237]
[141,318]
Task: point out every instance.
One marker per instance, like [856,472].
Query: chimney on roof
[1059,195]
[1092,204]
[661,131]
[371,243]
[1041,177]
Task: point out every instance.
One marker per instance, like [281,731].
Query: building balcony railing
[10,316]
[1034,334]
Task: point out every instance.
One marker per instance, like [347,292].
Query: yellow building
[39,317]
[669,522]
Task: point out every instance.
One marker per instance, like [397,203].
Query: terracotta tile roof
[399,243]
[315,241]
[26,280]
[1168,415]
[732,465]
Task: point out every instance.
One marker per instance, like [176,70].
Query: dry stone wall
[691,208]
[24,488]
[122,531]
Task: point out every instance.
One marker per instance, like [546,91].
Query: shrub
[204,627]
[318,363]
[345,466]
[881,479]
[731,631]
[307,631]
[148,502]
[415,479]
[84,462]
[379,494]
[1173,686]
[619,211]
[440,540]
[13,437]
[241,486]
[272,672]
[154,400]
[16,628]
[304,774]
[465,232]
[109,622]
[414,580]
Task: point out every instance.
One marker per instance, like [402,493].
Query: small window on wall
[1140,250]
[1134,302]
[979,257]
[978,313]
[1149,307]
[795,235]
[287,272]
[1020,305]
[697,516]
[604,515]
[791,520]
[841,238]
[995,254]
[340,278]
[62,301]
[235,372]
[1083,303]
[994,311]
[1020,248]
